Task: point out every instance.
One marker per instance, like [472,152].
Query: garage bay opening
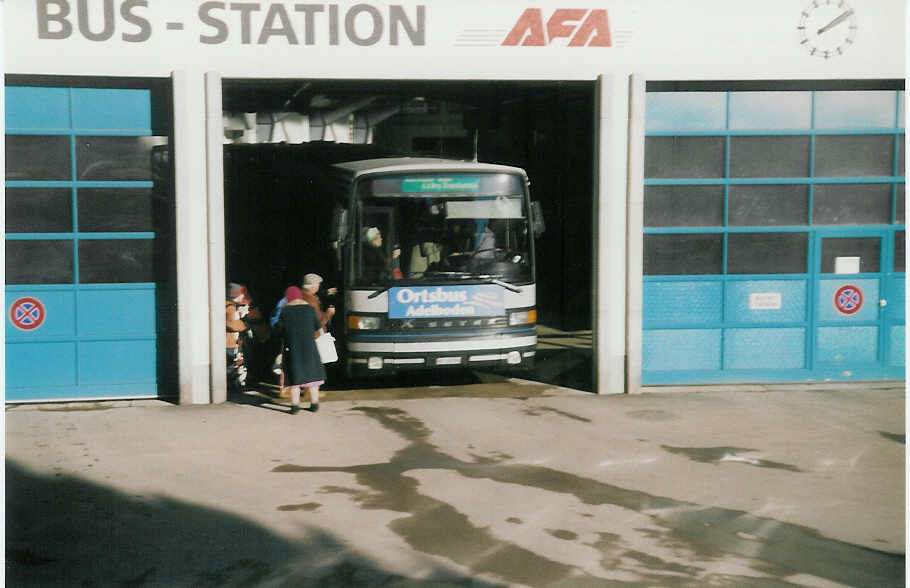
[310,168]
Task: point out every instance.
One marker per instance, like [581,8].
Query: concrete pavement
[496,483]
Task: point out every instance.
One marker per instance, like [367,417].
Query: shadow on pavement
[63,531]
[564,358]
[569,368]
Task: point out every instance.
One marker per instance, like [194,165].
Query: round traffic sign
[27,313]
[848,299]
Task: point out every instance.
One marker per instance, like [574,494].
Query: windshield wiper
[380,291]
[506,285]
[453,275]
[448,274]
[491,278]
[498,282]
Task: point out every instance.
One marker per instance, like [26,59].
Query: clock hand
[835,22]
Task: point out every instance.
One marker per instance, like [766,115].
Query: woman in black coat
[299,324]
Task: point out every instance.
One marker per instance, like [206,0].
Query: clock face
[827,28]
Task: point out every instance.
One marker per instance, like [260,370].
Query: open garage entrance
[546,128]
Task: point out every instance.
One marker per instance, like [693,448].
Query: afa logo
[583,28]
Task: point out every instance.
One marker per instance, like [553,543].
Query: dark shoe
[313,407]
[295,409]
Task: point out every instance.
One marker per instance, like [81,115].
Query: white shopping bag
[325,344]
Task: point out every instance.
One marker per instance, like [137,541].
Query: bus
[436,264]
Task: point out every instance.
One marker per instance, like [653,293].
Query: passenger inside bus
[457,238]
[377,268]
[459,242]
[486,243]
[424,255]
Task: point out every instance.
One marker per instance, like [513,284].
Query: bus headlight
[363,323]
[523,317]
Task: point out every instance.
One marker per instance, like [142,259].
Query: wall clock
[827,28]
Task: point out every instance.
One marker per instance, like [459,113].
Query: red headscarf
[293,293]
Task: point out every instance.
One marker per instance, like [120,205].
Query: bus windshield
[424,228]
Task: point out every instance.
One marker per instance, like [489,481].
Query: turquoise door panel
[895,297]
[121,361]
[115,390]
[850,335]
[766,301]
[693,111]
[773,349]
[90,331]
[59,314]
[896,347]
[683,303]
[828,300]
[773,236]
[34,108]
[107,109]
[847,346]
[117,312]
[820,326]
[681,349]
[895,314]
[40,364]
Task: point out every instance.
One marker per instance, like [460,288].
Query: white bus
[437,265]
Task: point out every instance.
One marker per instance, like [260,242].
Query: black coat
[375,265]
[300,362]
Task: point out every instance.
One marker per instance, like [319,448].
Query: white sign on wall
[846,265]
[765,301]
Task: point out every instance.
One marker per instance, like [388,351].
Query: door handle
[883,303]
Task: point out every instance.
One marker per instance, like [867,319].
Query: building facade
[742,183]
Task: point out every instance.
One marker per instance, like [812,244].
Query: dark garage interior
[547,128]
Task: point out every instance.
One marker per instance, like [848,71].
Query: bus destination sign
[446,301]
[441,184]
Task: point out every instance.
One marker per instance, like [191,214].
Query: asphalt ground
[485,481]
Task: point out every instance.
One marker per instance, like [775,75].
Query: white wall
[662,39]
[450,39]
[193,306]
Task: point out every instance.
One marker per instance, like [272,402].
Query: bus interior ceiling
[277,224]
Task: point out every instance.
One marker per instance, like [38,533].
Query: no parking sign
[848,299]
[27,313]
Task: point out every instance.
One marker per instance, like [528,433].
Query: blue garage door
[774,236]
[82,257]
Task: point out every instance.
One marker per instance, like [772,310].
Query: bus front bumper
[391,354]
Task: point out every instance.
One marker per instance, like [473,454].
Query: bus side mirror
[339,231]
[538,226]
[339,225]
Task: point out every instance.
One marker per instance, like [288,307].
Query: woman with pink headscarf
[299,324]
